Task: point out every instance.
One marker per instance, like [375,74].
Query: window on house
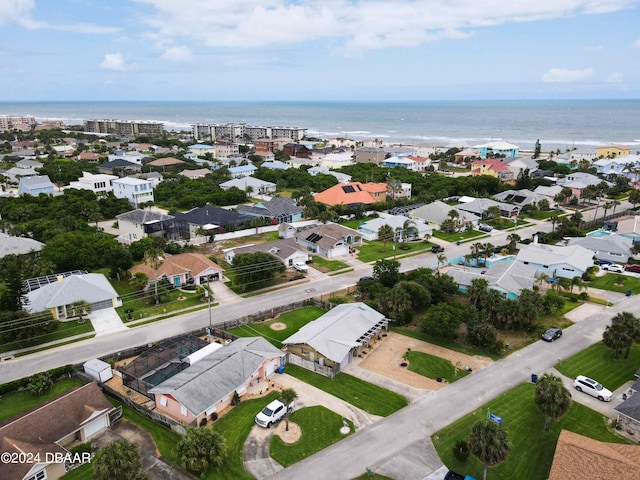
[163,400]
[41,475]
[183,411]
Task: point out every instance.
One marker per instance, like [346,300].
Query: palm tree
[614,204]
[442,259]
[488,249]
[119,459]
[553,219]
[552,398]
[616,337]
[543,277]
[385,234]
[488,441]
[153,258]
[79,309]
[513,238]
[409,229]
[288,395]
[199,448]
[476,248]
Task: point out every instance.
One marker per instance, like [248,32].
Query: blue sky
[318,50]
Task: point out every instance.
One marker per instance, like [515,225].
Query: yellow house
[611,151]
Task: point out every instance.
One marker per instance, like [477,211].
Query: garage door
[94,427]
[271,367]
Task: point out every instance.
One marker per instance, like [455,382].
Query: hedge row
[21,383]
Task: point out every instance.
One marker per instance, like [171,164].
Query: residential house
[398,151]
[629,410]
[521,166]
[426,149]
[141,223]
[522,197]
[242,171]
[275,165]
[370,155]
[135,190]
[36,185]
[182,269]
[404,162]
[298,162]
[226,150]
[154,177]
[212,219]
[296,150]
[100,183]
[250,185]
[287,250]
[556,261]
[278,209]
[612,151]
[165,162]
[479,207]
[194,174]
[89,156]
[341,177]
[133,157]
[548,192]
[497,148]
[286,230]
[574,157]
[493,168]
[18,245]
[399,223]
[209,385]
[353,194]
[337,160]
[29,164]
[201,149]
[119,166]
[14,174]
[615,248]
[338,336]
[578,181]
[329,240]
[508,278]
[57,294]
[52,429]
[575,454]
[435,213]
[626,166]
[467,155]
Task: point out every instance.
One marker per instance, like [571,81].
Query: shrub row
[19,384]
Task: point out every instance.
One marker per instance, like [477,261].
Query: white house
[133,157]
[287,250]
[615,248]
[201,149]
[255,185]
[337,160]
[99,184]
[135,190]
[556,261]
[369,229]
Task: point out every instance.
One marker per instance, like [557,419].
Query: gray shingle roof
[143,216]
[610,244]
[283,248]
[219,374]
[272,208]
[90,287]
[18,245]
[630,407]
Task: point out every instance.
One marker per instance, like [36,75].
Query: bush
[338,300]
[461,450]
[82,447]
[22,383]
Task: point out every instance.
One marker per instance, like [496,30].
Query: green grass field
[616,283]
[459,236]
[361,394]
[597,362]
[434,367]
[532,448]
[62,331]
[375,250]
[141,309]
[442,342]
[320,428]
[18,402]
[324,265]
[294,320]
[235,427]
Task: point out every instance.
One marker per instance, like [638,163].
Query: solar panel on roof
[348,189]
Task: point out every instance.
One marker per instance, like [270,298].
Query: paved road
[389,446]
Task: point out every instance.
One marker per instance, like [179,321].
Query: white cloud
[180,53]
[564,75]
[594,48]
[636,44]
[349,25]
[113,61]
[615,77]
[15,10]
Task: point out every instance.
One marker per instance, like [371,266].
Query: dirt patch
[291,436]
[387,355]
[278,326]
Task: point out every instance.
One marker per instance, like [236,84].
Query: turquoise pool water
[599,233]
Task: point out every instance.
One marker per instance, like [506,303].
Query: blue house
[242,171]
[497,148]
[36,185]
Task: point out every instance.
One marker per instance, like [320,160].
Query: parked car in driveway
[635,268]
[599,261]
[593,388]
[483,227]
[613,267]
[272,413]
[552,334]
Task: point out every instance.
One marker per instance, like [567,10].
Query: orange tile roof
[194,263]
[351,193]
[418,159]
[579,457]
[163,162]
[495,165]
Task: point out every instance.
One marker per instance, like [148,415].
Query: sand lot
[386,357]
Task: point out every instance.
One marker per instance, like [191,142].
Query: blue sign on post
[495,418]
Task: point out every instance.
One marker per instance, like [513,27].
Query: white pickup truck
[272,413]
[300,266]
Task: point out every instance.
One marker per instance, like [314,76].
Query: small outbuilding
[98,370]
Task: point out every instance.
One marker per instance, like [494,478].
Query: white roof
[131,181]
[245,182]
[89,287]
[541,254]
[499,145]
[395,221]
[338,331]
[506,276]
[18,245]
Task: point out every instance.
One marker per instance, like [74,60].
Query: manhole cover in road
[309,290]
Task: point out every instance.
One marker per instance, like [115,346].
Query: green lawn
[323,265]
[375,250]
[597,362]
[320,428]
[294,320]
[539,215]
[616,283]
[141,309]
[434,367]
[18,402]
[459,236]
[532,448]
[235,427]
[361,394]
[81,473]
[62,331]
[557,319]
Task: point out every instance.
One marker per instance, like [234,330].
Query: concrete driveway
[106,321]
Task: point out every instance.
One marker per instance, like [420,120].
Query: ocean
[558,124]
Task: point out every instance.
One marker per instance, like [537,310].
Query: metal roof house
[508,278]
[556,261]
